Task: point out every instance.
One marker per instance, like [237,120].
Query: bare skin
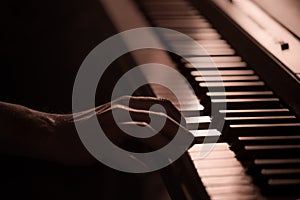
[53,137]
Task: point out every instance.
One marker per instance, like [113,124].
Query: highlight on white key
[92,69]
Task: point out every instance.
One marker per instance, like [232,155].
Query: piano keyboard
[257,156]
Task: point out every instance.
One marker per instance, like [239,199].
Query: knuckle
[126,97]
[118,107]
[144,124]
[123,99]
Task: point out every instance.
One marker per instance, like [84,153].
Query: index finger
[145,103]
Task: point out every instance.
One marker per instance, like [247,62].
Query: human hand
[70,151]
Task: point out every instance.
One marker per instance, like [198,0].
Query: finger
[159,141]
[170,128]
[86,114]
[145,103]
[128,159]
[152,142]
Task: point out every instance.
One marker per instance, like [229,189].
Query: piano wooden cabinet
[257,156]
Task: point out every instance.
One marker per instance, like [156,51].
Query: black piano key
[255,112]
[233,131]
[215,59]
[206,42]
[263,129]
[212,51]
[248,103]
[282,182]
[167,7]
[224,65]
[176,12]
[160,1]
[283,162]
[281,172]
[220,87]
[226,78]
[244,143]
[237,105]
[282,188]
[287,178]
[232,84]
[255,166]
[189,22]
[184,45]
[155,17]
[198,23]
[170,10]
[260,119]
[222,72]
[268,162]
[232,87]
[271,140]
[272,151]
[207,52]
[229,86]
[165,3]
[239,94]
[246,100]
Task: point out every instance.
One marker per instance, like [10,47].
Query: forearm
[24,131]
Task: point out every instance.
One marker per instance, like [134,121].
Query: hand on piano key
[53,137]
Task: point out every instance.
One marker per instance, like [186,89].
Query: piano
[257,152]
[257,155]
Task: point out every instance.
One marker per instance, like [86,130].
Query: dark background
[42,47]
[43,43]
